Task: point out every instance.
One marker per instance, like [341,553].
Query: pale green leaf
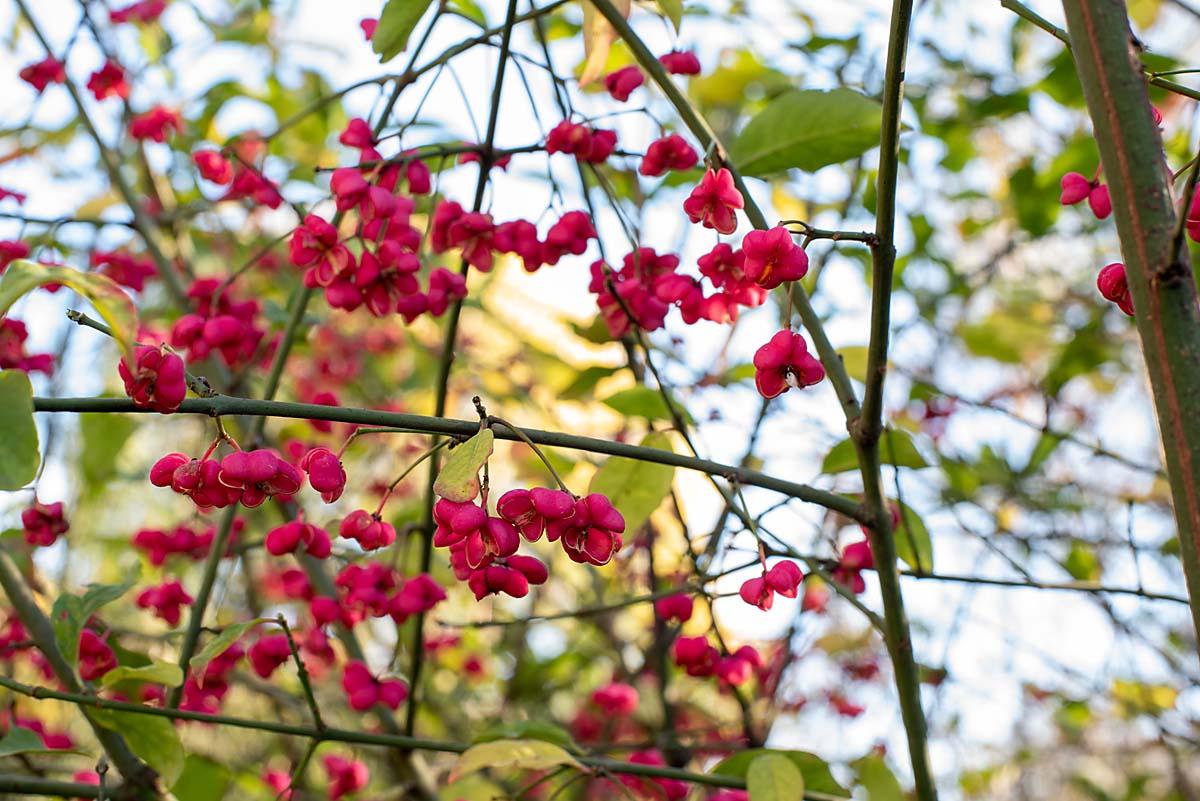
[635,487]
[877,779]
[913,544]
[672,10]
[109,299]
[528,730]
[773,777]
[512,754]
[459,478]
[20,457]
[155,673]
[817,776]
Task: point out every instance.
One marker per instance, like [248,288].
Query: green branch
[865,429]
[400,741]
[227,405]
[1159,275]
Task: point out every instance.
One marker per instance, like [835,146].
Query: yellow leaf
[112,302]
[518,754]
[598,37]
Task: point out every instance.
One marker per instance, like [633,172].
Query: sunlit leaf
[155,673]
[634,486]
[512,754]
[873,774]
[815,771]
[773,777]
[109,299]
[459,477]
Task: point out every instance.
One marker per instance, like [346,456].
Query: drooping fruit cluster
[246,477]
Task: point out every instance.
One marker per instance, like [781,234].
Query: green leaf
[643,402]
[71,612]
[913,544]
[104,435]
[152,738]
[807,129]
[877,779]
[896,447]
[817,776]
[220,644]
[584,382]
[528,730]
[154,673]
[1082,562]
[518,754]
[20,457]
[459,478]
[672,10]
[635,487]
[110,301]
[773,777]
[202,779]
[19,740]
[854,359]
[396,24]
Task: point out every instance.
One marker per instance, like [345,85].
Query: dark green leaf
[19,740]
[220,644]
[528,730]
[913,544]
[152,738]
[71,612]
[584,383]
[643,402]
